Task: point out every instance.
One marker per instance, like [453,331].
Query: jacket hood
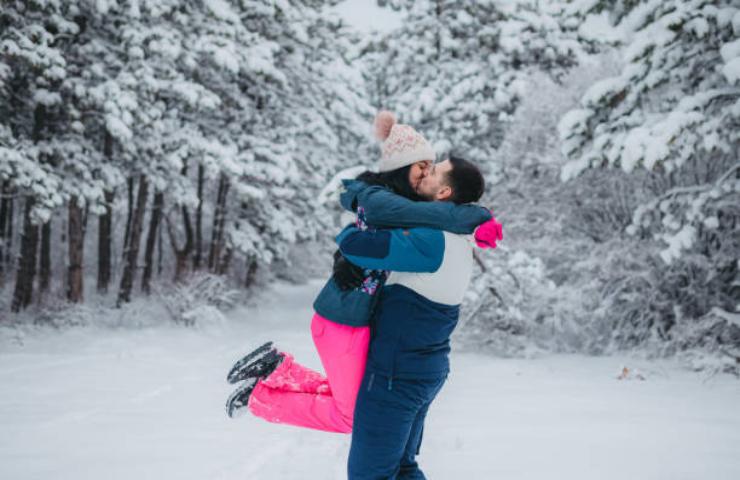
[352,188]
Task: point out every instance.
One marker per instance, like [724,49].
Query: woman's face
[417,172]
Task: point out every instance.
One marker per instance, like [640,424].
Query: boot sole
[235,405]
[259,368]
[233,375]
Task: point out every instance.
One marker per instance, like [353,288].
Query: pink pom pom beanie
[402,145]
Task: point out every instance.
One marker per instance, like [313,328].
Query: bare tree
[181,253]
[198,257]
[45,257]
[26,262]
[6,222]
[76,228]
[219,219]
[154,220]
[131,254]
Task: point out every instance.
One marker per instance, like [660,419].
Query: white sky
[365,15]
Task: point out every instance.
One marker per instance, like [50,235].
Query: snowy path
[148,404]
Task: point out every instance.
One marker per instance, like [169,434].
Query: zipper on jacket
[370,383]
[390,383]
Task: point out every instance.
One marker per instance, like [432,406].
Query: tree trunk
[5,219]
[225,261]
[129,216]
[198,220]
[251,271]
[9,231]
[105,222]
[181,254]
[30,237]
[151,239]
[219,218]
[132,252]
[105,225]
[181,265]
[160,252]
[45,257]
[76,229]
[438,34]
[26,262]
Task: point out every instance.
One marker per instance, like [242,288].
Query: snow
[259,58]
[47,98]
[712,223]
[574,120]
[367,16]
[699,26]
[731,70]
[635,144]
[733,318]
[599,28]
[602,89]
[333,188]
[103,6]
[731,55]
[573,168]
[730,50]
[511,44]
[127,403]
[170,47]
[681,240]
[222,10]
[117,128]
[248,191]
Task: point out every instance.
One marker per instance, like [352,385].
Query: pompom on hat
[402,145]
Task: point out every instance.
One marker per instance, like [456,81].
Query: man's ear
[444,193]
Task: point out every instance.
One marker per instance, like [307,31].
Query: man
[418,309]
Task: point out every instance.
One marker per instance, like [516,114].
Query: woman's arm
[383,208]
[401,250]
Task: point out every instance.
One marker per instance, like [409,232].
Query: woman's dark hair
[397,180]
[465,180]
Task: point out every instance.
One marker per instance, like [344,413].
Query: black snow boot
[258,364]
[238,400]
[246,360]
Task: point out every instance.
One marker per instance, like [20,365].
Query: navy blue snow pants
[388,427]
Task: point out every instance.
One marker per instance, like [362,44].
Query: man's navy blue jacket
[419,304]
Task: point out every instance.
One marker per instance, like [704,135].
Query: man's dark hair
[397,180]
[465,180]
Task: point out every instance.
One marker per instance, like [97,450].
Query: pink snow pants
[296,395]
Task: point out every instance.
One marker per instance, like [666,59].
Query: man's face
[417,172]
[434,184]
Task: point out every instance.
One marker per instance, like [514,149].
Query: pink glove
[487,234]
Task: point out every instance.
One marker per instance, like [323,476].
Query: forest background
[178,156]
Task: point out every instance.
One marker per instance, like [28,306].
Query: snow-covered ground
[148,404]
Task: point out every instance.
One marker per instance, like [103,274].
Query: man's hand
[347,275]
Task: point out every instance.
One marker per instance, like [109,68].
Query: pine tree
[456,69]
[675,110]
[672,114]
[254,99]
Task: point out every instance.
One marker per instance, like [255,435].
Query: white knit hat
[402,145]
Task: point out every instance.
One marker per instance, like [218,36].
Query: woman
[278,389]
